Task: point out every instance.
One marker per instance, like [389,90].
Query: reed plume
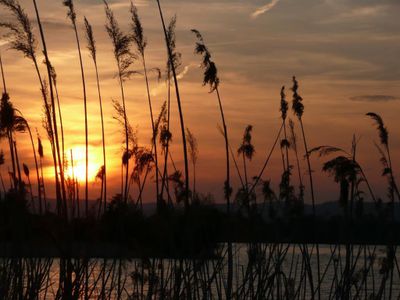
[25,125]
[293,143]
[193,154]
[165,133]
[173,57]
[284,109]
[211,78]
[41,156]
[164,139]
[386,160]
[91,45]
[124,58]
[72,16]
[6,128]
[286,190]
[26,172]
[23,40]
[298,110]
[11,123]
[246,150]
[139,40]
[344,171]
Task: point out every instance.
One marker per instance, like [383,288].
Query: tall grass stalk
[18,166]
[2,161]
[211,78]
[42,185]
[3,77]
[54,78]
[165,133]
[141,43]
[386,159]
[171,57]
[35,159]
[23,40]
[72,16]
[6,126]
[194,153]
[293,144]
[246,150]
[93,53]
[124,59]
[298,110]
[284,108]
[52,121]
[260,174]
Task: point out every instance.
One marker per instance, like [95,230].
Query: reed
[25,125]
[54,79]
[72,16]
[211,78]
[246,150]
[298,110]
[174,58]
[91,45]
[140,43]
[52,122]
[124,58]
[293,144]
[165,135]
[385,159]
[193,154]
[11,123]
[23,40]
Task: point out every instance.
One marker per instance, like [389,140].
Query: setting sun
[79,169]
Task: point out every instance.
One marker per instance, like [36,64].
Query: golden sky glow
[344,53]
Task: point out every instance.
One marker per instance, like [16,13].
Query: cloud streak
[263,9]
[374,98]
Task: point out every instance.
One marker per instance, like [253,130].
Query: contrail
[263,9]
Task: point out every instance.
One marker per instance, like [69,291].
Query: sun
[79,164]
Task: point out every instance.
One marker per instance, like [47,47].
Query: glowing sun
[77,164]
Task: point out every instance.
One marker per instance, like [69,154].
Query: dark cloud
[375,98]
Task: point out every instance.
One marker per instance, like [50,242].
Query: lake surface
[259,271]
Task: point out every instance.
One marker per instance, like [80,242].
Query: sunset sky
[345,54]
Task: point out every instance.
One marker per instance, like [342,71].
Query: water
[260,271]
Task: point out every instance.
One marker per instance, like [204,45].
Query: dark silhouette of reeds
[23,40]
[72,16]
[193,154]
[52,122]
[385,159]
[293,145]
[211,78]
[246,150]
[124,58]
[26,126]
[93,53]
[298,110]
[173,58]
[140,43]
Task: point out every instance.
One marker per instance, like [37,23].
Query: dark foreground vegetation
[123,231]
